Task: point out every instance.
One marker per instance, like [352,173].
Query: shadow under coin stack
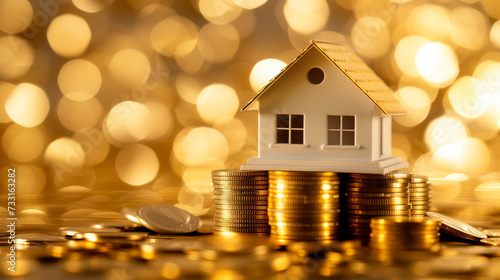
[303,206]
[370,195]
[420,197]
[404,233]
[240,199]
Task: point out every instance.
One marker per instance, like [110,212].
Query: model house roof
[356,70]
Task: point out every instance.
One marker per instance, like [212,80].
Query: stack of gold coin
[240,199]
[404,233]
[303,206]
[371,195]
[420,197]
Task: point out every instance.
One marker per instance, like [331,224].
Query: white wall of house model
[326,111]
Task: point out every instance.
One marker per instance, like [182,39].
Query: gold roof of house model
[356,70]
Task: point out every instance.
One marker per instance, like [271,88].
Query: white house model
[326,111]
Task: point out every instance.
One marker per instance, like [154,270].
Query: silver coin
[167,219]
[130,214]
[457,225]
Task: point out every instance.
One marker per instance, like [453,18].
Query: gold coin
[315,192]
[300,197]
[240,178]
[304,185]
[240,202]
[239,182]
[420,190]
[241,212]
[368,189]
[241,229]
[321,225]
[241,192]
[240,225]
[303,233]
[277,173]
[241,220]
[378,182]
[390,175]
[420,185]
[304,211]
[76,232]
[237,172]
[377,207]
[240,187]
[374,195]
[419,179]
[306,207]
[374,186]
[421,207]
[457,228]
[420,203]
[239,197]
[240,207]
[377,201]
[404,220]
[113,236]
[493,241]
[244,216]
[379,212]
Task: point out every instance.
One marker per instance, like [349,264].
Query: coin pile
[457,229]
[420,197]
[370,195]
[303,206]
[240,199]
[404,233]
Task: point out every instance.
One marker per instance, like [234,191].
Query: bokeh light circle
[69,35]
[174,36]
[444,131]
[65,154]
[217,102]
[219,12]
[264,71]
[130,67]
[15,16]
[129,122]
[470,97]
[406,53]
[92,6]
[27,105]
[197,146]
[79,115]
[16,57]
[79,79]
[418,103]
[306,17]
[23,144]
[218,43]
[437,63]
[137,164]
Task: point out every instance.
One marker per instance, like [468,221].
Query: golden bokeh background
[111,104]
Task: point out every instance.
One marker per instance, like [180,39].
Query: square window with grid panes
[290,129]
[341,130]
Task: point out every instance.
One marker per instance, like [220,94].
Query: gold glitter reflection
[105,104]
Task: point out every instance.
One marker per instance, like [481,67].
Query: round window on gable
[316,75]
